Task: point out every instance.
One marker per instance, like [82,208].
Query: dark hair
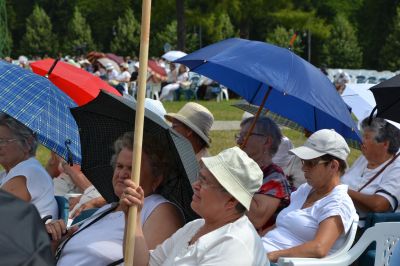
[266,126]
[240,208]
[155,148]
[342,164]
[383,131]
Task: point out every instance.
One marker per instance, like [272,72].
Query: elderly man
[194,121]
[224,235]
[373,179]
[274,193]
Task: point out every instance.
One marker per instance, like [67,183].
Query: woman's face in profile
[11,152]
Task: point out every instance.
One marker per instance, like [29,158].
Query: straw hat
[109,66]
[196,117]
[237,173]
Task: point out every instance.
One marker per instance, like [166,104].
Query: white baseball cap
[237,173]
[324,141]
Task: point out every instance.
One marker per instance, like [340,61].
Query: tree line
[335,33]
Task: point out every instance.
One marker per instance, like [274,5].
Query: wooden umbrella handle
[139,122]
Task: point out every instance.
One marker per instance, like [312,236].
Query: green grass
[220,139]
[221,110]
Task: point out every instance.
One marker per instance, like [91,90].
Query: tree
[282,37]
[127,38]
[79,35]
[169,35]
[180,17]
[389,56]
[5,41]
[39,38]
[342,49]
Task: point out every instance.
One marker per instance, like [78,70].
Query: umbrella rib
[255,94]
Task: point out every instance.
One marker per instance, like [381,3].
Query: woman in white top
[99,242]
[373,179]
[224,235]
[168,90]
[321,209]
[23,175]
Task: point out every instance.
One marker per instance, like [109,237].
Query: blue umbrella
[37,103]
[298,90]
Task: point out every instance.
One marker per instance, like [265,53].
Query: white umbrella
[173,55]
[360,99]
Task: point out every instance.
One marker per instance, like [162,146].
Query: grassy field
[220,139]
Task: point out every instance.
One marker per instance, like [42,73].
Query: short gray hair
[265,125]
[383,131]
[22,133]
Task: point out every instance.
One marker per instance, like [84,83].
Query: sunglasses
[313,163]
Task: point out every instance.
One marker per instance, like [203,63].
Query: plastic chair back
[63,208]
[84,215]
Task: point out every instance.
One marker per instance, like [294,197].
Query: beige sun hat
[196,117]
[237,173]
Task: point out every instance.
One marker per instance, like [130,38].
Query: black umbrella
[387,97]
[23,237]
[107,117]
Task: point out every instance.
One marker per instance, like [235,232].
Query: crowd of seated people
[253,201]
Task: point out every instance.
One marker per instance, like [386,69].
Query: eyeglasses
[313,163]
[208,185]
[241,136]
[5,142]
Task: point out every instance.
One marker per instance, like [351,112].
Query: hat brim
[306,153]
[182,119]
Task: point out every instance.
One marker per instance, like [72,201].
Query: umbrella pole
[52,68]
[256,117]
[138,132]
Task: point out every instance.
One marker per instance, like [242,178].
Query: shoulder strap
[62,245]
[115,263]
[379,172]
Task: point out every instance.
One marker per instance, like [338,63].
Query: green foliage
[5,41]
[281,37]
[219,27]
[389,57]
[79,34]
[39,38]
[169,35]
[127,38]
[342,49]
[373,19]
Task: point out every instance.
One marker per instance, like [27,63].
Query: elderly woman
[321,209]
[373,178]
[224,235]
[99,240]
[23,175]
[274,194]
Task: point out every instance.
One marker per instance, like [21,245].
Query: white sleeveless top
[39,185]
[150,204]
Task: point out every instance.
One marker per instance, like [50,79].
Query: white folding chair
[316,261]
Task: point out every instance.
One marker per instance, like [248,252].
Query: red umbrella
[116,58]
[77,83]
[156,69]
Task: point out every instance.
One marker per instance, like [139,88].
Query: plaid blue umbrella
[37,103]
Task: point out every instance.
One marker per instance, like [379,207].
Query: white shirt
[39,185]
[101,243]
[295,226]
[282,156]
[235,243]
[123,77]
[387,184]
